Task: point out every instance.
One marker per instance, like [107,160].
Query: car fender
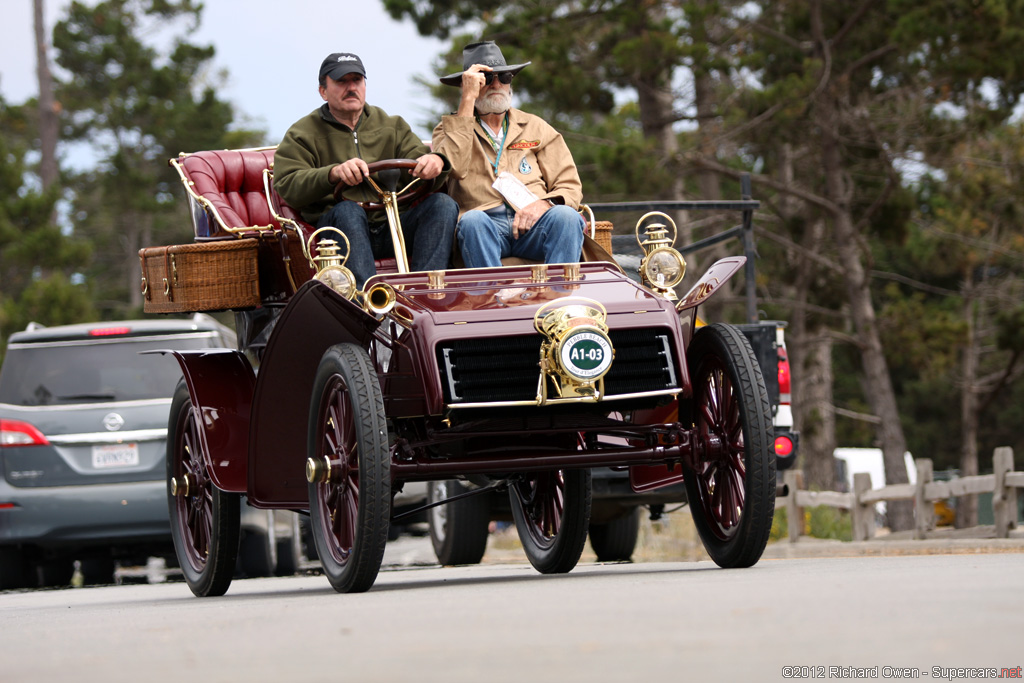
[315,319]
[220,384]
[709,283]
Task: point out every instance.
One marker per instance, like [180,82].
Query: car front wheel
[732,488]
[349,468]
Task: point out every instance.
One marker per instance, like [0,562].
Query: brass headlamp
[330,264]
[662,267]
[576,352]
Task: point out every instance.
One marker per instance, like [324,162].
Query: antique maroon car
[519,378]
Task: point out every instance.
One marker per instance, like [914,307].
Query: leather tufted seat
[233,197]
[230,183]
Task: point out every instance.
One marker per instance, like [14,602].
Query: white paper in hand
[513,190]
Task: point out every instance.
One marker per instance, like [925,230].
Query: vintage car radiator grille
[505,368]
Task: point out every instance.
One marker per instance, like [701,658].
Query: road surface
[687,621]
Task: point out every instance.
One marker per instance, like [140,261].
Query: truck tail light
[17,433]
[783,446]
[784,383]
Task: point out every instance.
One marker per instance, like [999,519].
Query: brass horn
[379,299]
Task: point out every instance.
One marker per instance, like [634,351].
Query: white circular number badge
[586,354]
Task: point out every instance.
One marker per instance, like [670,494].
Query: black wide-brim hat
[486,53]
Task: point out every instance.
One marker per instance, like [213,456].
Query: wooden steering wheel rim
[384,165]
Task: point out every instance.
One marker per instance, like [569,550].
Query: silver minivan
[83,426]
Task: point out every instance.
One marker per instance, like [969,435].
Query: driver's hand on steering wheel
[350,172]
[428,166]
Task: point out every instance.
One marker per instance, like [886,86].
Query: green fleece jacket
[317,142]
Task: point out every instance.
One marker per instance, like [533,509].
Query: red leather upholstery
[232,181]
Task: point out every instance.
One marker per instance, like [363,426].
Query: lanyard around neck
[499,147]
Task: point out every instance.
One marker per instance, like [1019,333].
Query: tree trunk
[818,423]
[881,395]
[48,108]
[967,506]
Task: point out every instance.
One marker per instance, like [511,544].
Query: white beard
[496,102]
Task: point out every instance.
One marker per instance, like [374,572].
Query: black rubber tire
[350,515]
[97,571]
[205,523]
[13,571]
[287,558]
[254,558]
[615,540]
[731,408]
[54,573]
[458,530]
[552,515]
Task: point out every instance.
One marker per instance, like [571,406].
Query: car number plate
[115,455]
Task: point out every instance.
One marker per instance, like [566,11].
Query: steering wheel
[387,165]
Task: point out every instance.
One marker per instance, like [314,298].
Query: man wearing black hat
[334,144]
[531,212]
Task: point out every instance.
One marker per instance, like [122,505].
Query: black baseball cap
[337,64]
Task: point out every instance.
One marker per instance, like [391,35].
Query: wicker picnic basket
[205,276]
[603,234]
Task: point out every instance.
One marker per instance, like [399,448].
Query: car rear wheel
[254,557]
[458,530]
[732,489]
[97,571]
[349,469]
[12,568]
[552,514]
[615,540]
[54,573]
[204,520]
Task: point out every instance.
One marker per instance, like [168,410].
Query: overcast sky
[272,50]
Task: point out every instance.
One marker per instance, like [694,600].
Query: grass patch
[820,521]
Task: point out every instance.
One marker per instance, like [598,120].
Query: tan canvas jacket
[533,152]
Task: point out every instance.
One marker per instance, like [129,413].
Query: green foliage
[780,525]
[36,259]
[136,106]
[50,301]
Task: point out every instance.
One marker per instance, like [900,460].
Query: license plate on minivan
[115,455]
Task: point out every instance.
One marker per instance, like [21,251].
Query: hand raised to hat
[473,82]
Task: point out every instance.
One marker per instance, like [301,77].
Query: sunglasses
[503,77]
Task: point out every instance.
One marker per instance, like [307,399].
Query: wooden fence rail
[1002,484]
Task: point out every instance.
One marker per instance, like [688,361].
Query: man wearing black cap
[334,144]
[532,211]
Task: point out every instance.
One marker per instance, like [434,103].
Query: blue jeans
[428,228]
[485,237]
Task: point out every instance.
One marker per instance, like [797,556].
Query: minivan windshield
[94,370]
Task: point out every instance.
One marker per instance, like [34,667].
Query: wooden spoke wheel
[204,519]
[552,515]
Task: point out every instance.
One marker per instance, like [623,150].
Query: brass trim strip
[553,401]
